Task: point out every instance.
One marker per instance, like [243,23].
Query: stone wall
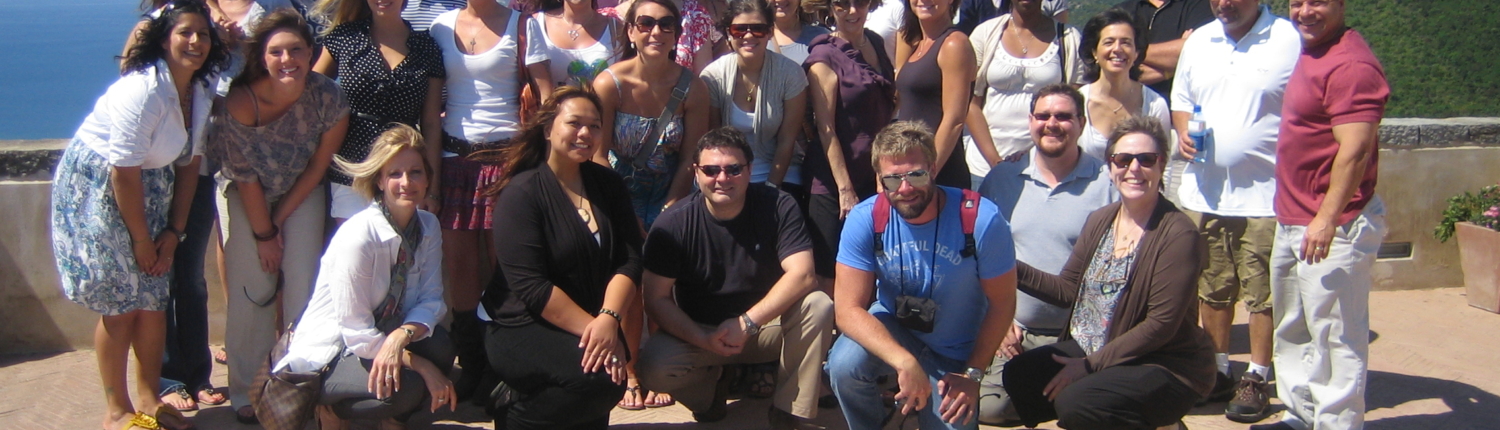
[1422,163]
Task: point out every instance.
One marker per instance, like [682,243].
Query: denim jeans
[853,371]
[186,361]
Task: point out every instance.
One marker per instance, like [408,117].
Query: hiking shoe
[1252,399]
[1223,390]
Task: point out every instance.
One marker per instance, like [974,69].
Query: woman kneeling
[374,311]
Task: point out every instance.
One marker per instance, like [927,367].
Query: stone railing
[1422,163]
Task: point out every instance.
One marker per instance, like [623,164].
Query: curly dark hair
[147,49]
[255,59]
[1090,42]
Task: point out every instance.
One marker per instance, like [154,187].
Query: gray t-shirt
[1048,222]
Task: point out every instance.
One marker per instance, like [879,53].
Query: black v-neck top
[542,242]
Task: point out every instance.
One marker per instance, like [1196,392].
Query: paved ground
[1433,366]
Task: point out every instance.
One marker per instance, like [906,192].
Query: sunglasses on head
[1044,116]
[713,171]
[917,178]
[1122,160]
[759,31]
[667,24]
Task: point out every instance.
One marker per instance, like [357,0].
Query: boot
[468,341]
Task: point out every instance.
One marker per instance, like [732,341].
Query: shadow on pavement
[1471,407]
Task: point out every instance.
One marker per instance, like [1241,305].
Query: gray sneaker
[1252,399]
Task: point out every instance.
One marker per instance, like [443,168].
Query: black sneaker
[1223,390]
[1252,399]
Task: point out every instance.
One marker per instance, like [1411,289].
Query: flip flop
[632,391]
[182,393]
[653,400]
[221,356]
[209,390]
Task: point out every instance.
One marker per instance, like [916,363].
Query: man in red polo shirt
[1329,222]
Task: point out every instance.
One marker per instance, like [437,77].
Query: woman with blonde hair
[373,318]
[391,73]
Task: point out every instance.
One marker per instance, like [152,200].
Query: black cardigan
[541,242]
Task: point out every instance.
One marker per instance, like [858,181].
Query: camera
[916,313]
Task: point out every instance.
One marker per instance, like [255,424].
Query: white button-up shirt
[1240,85]
[138,121]
[353,279]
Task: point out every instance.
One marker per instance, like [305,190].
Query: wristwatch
[974,374]
[180,235]
[751,328]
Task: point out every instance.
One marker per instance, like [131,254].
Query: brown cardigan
[1154,323]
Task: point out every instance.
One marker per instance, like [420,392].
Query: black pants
[186,358]
[826,228]
[542,364]
[1118,397]
[346,385]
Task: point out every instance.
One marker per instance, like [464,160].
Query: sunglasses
[759,31]
[712,171]
[1122,160]
[917,178]
[1043,116]
[667,24]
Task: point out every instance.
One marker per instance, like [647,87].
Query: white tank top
[483,96]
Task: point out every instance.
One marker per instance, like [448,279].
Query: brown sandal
[170,418]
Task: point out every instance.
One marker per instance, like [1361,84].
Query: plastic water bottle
[1198,131]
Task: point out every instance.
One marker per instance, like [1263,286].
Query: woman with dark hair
[1132,354]
[391,73]
[120,200]
[646,151]
[852,98]
[273,137]
[793,29]
[936,71]
[569,263]
[1112,50]
[761,94]
[1018,52]
[568,43]
[481,46]
[372,324]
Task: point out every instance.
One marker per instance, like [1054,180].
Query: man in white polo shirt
[1236,68]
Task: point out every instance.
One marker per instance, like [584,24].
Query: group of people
[689,190]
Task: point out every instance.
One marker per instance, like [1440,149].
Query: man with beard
[919,296]
[1329,222]
[729,278]
[1236,68]
[1058,186]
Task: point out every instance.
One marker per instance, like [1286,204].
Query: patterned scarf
[388,315]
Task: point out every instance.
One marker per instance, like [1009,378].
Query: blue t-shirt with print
[907,268]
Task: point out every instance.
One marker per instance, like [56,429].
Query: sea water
[56,59]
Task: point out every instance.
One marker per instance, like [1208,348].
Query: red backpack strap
[968,213]
[881,216]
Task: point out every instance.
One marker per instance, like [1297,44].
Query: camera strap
[968,214]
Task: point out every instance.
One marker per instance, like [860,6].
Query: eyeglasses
[667,24]
[917,178]
[1122,160]
[1044,116]
[759,31]
[712,171]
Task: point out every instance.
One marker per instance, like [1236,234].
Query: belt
[463,147]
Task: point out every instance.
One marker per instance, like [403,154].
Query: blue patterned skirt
[95,260]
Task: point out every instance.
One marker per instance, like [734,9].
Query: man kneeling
[740,263]
[942,280]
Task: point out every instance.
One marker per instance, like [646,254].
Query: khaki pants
[251,291]
[995,407]
[799,338]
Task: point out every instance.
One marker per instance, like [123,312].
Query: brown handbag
[284,400]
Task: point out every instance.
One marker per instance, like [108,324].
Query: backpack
[968,213]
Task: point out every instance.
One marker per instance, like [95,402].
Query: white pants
[252,325]
[1322,313]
